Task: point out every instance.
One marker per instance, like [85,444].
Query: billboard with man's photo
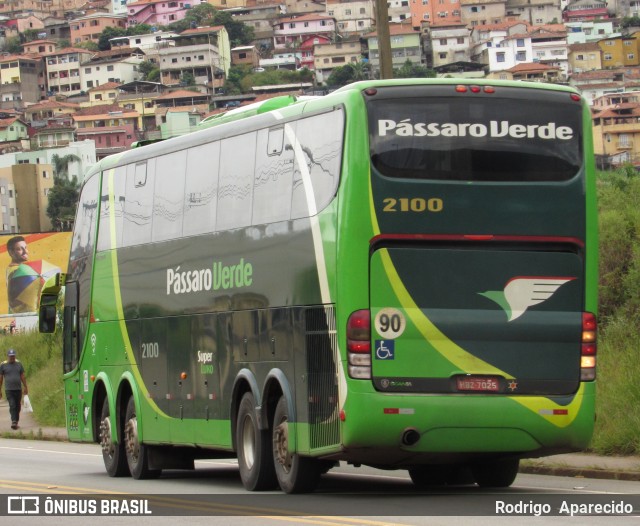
[28,260]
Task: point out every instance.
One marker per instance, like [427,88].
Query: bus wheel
[497,473]
[113,453]
[254,446]
[137,453]
[295,474]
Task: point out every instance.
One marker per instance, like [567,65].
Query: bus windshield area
[476,139]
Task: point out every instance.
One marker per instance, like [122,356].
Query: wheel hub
[248,442]
[131,442]
[281,445]
[105,437]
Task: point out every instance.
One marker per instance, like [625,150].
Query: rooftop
[531,67]
[101,109]
[52,104]
[396,29]
[181,94]
[106,86]
[201,30]
[68,51]
[303,18]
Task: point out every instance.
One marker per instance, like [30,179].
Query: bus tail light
[589,347]
[359,344]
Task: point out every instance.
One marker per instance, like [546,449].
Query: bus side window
[118,181]
[82,247]
[318,161]
[273,181]
[140,174]
[138,206]
[276,140]
[86,219]
[235,190]
[168,183]
[201,189]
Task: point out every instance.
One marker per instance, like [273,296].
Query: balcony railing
[624,145]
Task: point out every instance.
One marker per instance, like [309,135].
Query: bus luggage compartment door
[461,318]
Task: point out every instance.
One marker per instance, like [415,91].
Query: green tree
[13,45]
[630,21]
[199,15]
[154,75]
[138,29]
[107,34]
[205,15]
[30,35]
[61,44]
[347,74]
[89,45]
[61,164]
[233,83]
[275,76]
[63,199]
[240,34]
[149,70]
[411,70]
[188,79]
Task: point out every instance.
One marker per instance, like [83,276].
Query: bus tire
[254,449]
[136,452]
[498,473]
[295,474]
[113,455]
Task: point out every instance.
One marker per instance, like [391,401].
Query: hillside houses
[500,34]
[55,89]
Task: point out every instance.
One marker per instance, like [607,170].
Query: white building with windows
[486,41]
[482,12]
[355,17]
[589,31]
[399,10]
[536,12]
[330,56]
[289,33]
[117,65]
[550,47]
[63,70]
[85,151]
[148,42]
[513,50]
[449,44]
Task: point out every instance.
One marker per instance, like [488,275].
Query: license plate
[478,383]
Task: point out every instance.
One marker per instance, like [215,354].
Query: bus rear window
[476,139]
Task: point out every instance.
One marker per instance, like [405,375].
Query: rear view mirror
[47,319]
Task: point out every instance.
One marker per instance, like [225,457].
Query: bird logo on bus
[523,292]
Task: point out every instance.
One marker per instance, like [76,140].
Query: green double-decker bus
[400,274]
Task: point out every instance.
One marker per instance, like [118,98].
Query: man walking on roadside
[12,371]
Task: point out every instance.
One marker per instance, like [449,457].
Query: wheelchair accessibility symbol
[385,349]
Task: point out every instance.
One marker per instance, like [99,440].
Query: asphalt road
[213,494]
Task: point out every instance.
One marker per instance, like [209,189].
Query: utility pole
[384,43]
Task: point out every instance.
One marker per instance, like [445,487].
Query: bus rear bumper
[409,430]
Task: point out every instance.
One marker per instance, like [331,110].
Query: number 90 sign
[390,323]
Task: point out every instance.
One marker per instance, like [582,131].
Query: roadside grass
[41,357]
[617,430]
